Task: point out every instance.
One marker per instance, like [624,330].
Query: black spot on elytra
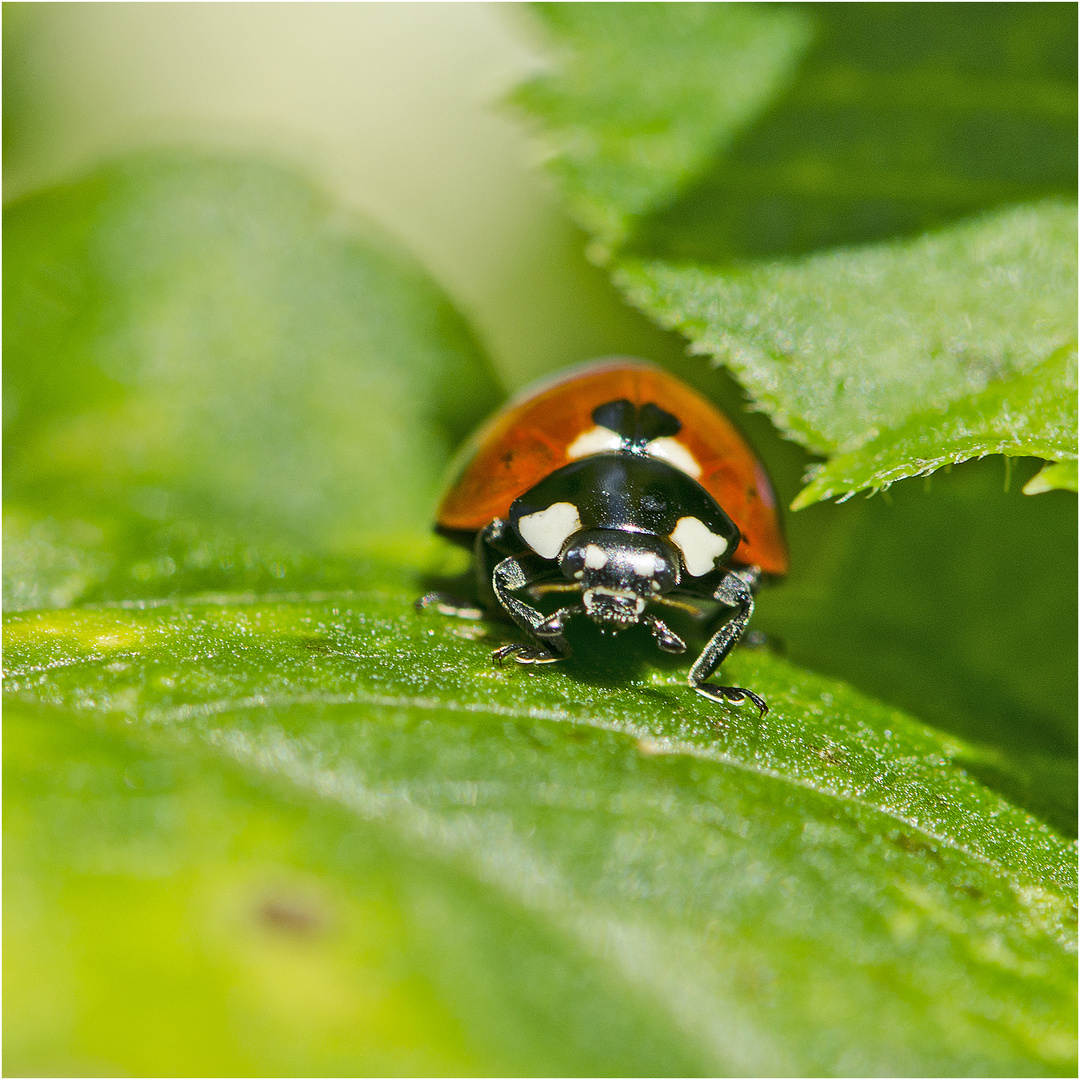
[637,425]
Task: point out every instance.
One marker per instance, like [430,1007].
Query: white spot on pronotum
[547,530]
[674,453]
[598,440]
[700,547]
[595,556]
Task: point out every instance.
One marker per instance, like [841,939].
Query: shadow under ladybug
[624,492]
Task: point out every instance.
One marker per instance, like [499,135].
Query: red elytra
[528,440]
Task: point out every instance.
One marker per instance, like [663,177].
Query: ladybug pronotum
[619,484]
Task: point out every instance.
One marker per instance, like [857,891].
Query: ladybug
[618,484]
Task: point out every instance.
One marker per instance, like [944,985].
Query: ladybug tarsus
[523,654]
[553,625]
[734,695]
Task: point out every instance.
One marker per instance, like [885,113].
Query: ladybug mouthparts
[614,609]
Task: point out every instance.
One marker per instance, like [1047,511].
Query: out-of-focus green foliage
[209,340]
[897,119]
[1056,476]
[262,818]
[646,96]
[900,119]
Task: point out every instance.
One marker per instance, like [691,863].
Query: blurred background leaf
[207,332]
[1056,476]
[388,108]
[214,378]
[644,98]
[897,119]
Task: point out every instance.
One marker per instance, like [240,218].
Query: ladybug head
[619,572]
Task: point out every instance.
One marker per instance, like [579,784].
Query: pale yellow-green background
[393,108]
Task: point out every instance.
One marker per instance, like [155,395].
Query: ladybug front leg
[508,577]
[736,591]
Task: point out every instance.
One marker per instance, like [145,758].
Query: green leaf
[643,99]
[794,254]
[208,340]
[327,808]
[1059,476]
[897,119]
[844,345]
[1034,414]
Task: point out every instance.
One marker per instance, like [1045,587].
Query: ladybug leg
[549,630]
[553,625]
[508,577]
[491,546]
[523,654]
[736,591]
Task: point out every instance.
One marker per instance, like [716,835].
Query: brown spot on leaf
[292,915]
[315,644]
[913,845]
